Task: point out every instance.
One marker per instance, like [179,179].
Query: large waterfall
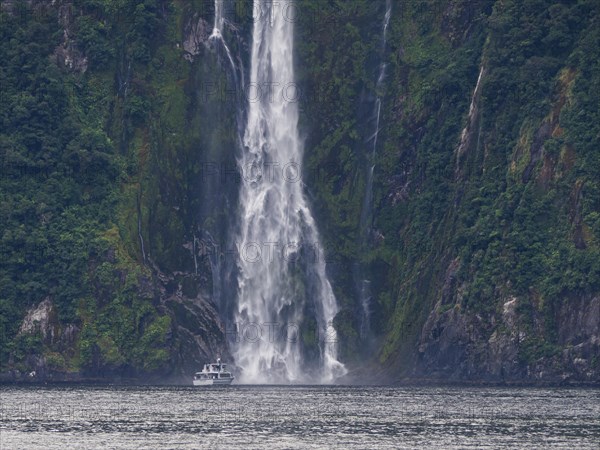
[285,304]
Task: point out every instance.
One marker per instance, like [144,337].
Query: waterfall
[277,282]
[139,212]
[219,19]
[380,78]
[217,36]
[363,284]
[465,136]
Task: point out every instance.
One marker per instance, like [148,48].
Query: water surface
[76,416]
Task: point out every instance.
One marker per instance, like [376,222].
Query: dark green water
[59,417]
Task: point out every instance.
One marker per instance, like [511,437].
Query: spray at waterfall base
[273,331]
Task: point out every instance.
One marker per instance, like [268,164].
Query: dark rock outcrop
[68,54]
[458,345]
[195,36]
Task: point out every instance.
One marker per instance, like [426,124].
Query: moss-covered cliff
[104,137]
[119,133]
[484,256]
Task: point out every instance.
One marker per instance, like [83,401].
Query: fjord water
[276,225]
[278,417]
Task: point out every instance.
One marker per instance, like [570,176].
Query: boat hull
[217,382]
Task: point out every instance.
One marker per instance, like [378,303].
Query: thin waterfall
[363,284]
[465,136]
[381,77]
[217,36]
[236,70]
[219,19]
[277,282]
[139,211]
[216,248]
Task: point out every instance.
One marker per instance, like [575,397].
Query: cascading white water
[381,77]
[364,289]
[217,34]
[466,132]
[219,19]
[276,225]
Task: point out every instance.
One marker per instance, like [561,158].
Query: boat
[213,374]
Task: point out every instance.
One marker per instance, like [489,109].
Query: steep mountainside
[452,165]
[484,260]
[103,142]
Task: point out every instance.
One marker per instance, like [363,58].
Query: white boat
[213,374]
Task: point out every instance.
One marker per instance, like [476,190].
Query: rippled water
[297,417]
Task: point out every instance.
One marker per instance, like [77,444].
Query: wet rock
[41,318]
[195,36]
[459,345]
[541,136]
[67,54]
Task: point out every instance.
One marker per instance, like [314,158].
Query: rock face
[40,319]
[458,345]
[196,336]
[197,333]
[579,333]
[67,54]
[195,36]
[43,320]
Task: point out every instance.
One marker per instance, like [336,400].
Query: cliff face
[455,345]
[517,284]
[479,241]
[482,245]
[107,211]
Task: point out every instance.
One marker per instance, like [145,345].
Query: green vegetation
[104,155]
[528,229]
[69,145]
